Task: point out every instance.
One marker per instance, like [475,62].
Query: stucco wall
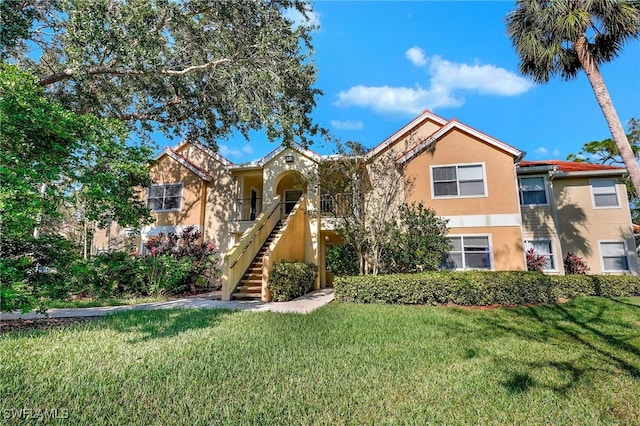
[506,245]
[457,147]
[167,170]
[276,169]
[582,226]
[497,213]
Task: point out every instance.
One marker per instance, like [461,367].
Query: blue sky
[380,63]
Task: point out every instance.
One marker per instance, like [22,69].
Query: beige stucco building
[497,205]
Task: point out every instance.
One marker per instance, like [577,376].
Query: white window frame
[181,184]
[546,191]
[553,253]
[491,259]
[615,188]
[444,197]
[626,255]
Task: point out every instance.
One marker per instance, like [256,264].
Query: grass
[575,363]
[94,303]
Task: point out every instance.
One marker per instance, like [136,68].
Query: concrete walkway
[302,305]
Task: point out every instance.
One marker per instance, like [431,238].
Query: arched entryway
[290,186]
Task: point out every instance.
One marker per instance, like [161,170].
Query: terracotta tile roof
[569,166]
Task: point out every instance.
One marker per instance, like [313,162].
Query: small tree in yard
[418,241]
[365,196]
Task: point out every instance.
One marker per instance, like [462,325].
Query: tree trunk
[604,100]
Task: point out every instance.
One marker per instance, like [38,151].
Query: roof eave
[169,152]
[612,172]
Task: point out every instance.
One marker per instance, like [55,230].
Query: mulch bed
[23,325]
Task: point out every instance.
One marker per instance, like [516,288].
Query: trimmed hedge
[289,280]
[480,288]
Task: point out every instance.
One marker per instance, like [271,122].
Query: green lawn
[575,363]
[93,303]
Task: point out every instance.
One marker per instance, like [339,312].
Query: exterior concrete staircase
[250,286]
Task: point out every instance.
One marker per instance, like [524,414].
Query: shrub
[535,261]
[109,274]
[185,245]
[34,268]
[166,274]
[289,280]
[575,265]
[418,242]
[480,288]
[342,259]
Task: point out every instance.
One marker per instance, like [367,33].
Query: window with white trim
[469,252]
[165,197]
[543,248]
[458,181]
[532,190]
[604,193]
[614,256]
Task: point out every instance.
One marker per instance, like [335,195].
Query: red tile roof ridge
[569,166]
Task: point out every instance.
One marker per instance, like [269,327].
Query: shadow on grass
[626,302]
[158,324]
[599,328]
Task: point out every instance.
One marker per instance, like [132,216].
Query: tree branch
[68,73]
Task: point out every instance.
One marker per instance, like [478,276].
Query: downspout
[554,210]
[515,174]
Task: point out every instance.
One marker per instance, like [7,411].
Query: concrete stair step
[246,295]
[253,276]
[255,281]
[249,288]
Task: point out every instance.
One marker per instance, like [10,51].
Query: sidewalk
[302,305]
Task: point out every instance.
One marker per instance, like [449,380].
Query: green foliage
[187,244]
[575,265]
[342,259]
[50,158]
[480,288]
[109,274]
[544,34]
[166,274]
[31,269]
[289,280]
[418,241]
[535,261]
[189,68]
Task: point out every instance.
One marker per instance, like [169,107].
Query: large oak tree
[198,68]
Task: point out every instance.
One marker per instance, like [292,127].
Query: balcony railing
[247,209]
[334,205]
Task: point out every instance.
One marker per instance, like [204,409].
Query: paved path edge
[303,305]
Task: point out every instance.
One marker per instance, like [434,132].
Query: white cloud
[403,100]
[347,125]
[446,83]
[416,56]
[541,151]
[227,151]
[311,20]
[485,79]
[556,152]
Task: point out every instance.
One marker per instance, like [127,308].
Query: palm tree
[564,36]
